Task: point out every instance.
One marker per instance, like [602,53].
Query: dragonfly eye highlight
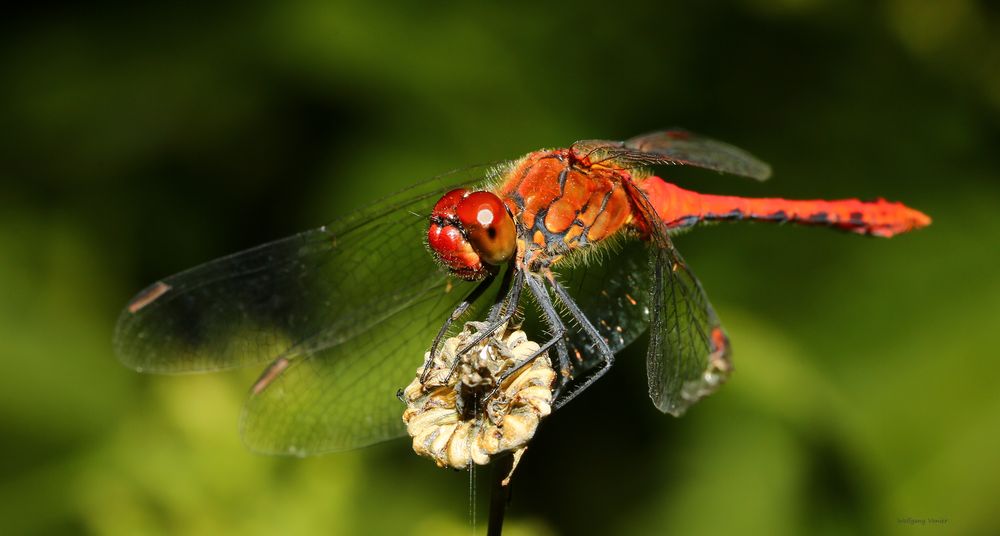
[488,225]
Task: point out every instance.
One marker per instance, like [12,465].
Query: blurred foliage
[140,140]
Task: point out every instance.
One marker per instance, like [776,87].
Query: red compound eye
[445,207]
[454,251]
[488,225]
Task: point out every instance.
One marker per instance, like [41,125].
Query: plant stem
[499,494]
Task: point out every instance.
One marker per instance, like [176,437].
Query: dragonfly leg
[455,315]
[506,310]
[601,345]
[557,340]
[527,361]
[503,294]
[558,332]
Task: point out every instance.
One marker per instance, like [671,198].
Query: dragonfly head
[470,232]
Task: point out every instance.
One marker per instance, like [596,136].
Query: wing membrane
[346,311]
[676,147]
[300,294]
[614,295]
[688,355]
[343,396]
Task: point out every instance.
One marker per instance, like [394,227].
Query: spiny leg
[601,345]
[506,310]
[557,339]
[457,313]
[527,361]
[503,295]
[507,307]
[558,331]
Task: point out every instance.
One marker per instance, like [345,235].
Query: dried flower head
[457,418]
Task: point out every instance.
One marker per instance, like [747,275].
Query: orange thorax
[562,206]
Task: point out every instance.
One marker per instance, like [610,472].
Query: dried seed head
[461,418]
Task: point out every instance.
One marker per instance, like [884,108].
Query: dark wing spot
[148,296]
[273,371]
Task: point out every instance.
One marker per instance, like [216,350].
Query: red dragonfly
[343,312]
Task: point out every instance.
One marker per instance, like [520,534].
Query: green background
[137,142]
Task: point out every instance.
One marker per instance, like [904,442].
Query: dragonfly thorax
[470,232]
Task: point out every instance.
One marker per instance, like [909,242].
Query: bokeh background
[139,141]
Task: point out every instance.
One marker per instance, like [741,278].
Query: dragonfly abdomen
[680,208]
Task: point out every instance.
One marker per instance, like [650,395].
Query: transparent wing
[343,396]
[613,293]
[306,292]
[345,311]
[688,355]
[676,147]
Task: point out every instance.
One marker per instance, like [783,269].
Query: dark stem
[499,494]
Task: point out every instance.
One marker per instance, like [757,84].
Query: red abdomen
[680,208]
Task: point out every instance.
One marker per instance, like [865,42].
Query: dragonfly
[345,313]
